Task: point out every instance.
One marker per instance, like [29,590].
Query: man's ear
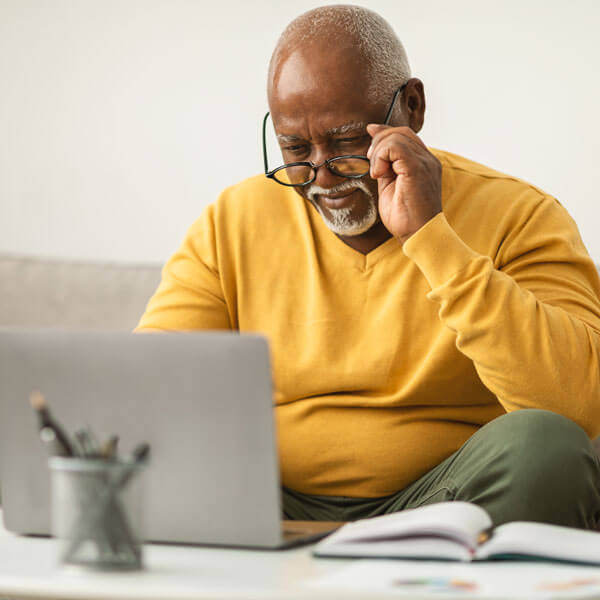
[414,104]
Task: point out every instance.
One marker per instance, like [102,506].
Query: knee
[533,437]
[538,466]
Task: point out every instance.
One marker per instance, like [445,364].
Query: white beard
[340,220]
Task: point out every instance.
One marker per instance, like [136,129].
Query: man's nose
[325,178]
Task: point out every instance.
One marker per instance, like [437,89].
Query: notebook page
[543,541]
[461,521]
[406,548]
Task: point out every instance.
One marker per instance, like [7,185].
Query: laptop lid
[203,401]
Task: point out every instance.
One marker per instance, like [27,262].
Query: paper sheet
[506,580]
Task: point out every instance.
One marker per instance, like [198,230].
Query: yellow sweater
[384,364]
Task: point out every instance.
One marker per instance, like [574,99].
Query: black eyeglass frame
[327,163]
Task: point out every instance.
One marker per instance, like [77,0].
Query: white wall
[120,120]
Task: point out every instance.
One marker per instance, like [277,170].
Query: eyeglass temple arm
[264,141]
[388,116]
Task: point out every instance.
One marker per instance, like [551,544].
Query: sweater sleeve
[529,319]
[190,295]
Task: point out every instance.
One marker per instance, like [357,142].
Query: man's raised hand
[409,179]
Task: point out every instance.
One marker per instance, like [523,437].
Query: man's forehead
[328,74]
[350,127]
[320,90]
[326,111]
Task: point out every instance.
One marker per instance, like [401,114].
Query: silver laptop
[203,401]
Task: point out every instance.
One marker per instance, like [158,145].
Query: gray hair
[371,33]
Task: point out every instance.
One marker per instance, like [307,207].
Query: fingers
[380,132]
[393,150]
[374,128]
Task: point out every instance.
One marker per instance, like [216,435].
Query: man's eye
[353,140]
[294,149]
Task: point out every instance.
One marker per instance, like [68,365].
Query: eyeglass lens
[343,166]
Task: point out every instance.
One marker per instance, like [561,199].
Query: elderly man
[416,302]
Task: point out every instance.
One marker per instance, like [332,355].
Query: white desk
[28,570]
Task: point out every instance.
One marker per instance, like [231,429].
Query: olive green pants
[528,465]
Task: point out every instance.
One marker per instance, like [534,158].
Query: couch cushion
[39,292]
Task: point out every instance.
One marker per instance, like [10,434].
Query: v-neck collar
[329,241]
[365,262]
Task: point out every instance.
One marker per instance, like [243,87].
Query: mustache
[345,186]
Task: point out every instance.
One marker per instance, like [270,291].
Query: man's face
[320,111]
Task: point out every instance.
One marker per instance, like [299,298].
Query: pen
[51,432]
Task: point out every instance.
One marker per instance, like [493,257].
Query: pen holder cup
[97,512]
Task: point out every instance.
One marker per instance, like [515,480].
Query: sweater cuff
[438,251]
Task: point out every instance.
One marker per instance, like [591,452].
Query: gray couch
[40,292]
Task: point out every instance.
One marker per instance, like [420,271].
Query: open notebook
[459,531]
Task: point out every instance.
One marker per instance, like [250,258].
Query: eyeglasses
[299,174]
